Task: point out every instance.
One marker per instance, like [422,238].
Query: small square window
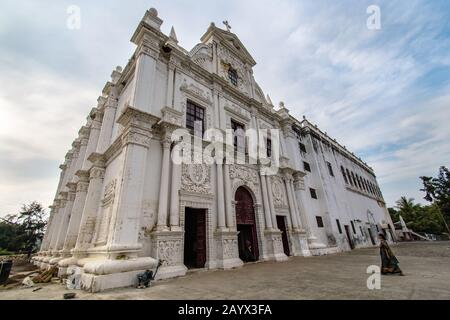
[306,166]
[313,193]
[319,222]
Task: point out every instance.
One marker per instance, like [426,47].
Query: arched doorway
[246,226]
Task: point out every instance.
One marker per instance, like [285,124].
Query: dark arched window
[344,175]
[233,76]
[349,177]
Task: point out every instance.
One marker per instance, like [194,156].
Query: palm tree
[407,208]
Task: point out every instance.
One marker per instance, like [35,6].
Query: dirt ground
[342,276]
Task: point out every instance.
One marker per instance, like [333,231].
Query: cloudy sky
[385,94]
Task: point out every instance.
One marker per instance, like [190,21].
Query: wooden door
[201,239]
[246,220]
[195,238]
[281,222]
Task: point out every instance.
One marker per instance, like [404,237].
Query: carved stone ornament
[110,190]
[172,116]
[228,59]
[278,192]
[82,186]
[230,248]
[169,252]
[196,178]
[196,92]
[97,173]
[246,174]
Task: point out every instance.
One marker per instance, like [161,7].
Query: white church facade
[123,204]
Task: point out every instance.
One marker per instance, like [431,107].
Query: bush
[4,252]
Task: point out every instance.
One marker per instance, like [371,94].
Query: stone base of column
[315,244]
[227,250]
[65,263]
[168,247]
[325,251]
[300,244]
[274,245]
[105,274]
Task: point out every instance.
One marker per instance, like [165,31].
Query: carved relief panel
[196,178]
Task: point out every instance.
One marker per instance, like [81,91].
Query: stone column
[175,198]
[83,139]
[170,83]
[93,139]
[77,211]
[228,198]
[66,217]
[292,208]
[91,205]
[271,204]
[109,115]
[47,236]
[58,221]
[164,186]
[305,219]
[145,74]
[125,221]
[220,198]
[269,225]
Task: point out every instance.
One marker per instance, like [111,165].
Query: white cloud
[361,86]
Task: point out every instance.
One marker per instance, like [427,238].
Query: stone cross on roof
[227,25]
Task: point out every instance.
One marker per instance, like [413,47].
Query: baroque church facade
[122,204]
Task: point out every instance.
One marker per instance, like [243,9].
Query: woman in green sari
[389,263]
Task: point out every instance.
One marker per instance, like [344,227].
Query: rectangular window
[319,222]
[195,116]
[349,177]
[344,175]
[302,147]
[238,136]
[353,227]
[313,193]
[306,166]
[339,226]
[330,169]
[269,148]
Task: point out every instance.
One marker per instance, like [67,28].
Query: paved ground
[341,276]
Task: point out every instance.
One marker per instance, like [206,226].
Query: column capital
[82,186]
[72,187]
[84,133]
[83,175]
[97,159]
[132,117]
[96,173]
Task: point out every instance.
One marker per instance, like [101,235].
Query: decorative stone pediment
[202,55]
[238,110]
[172,117]
[196,92]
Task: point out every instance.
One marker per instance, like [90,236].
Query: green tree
[9,234]
[419,218]
[407,208]
[437,190]
[24,231]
